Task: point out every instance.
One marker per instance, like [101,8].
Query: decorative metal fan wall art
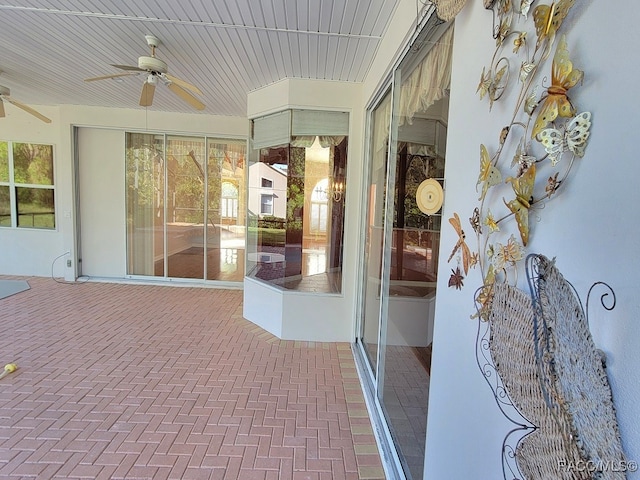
[156,71]
[5,96]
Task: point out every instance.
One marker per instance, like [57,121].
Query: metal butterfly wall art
[456,279]
[548,18]
[489,174]
[524,7]
[573,138]
[563,77]
[519,206]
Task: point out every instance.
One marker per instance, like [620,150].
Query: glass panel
[144,163]
[296,211]
[33,164]
[36,207]
[226,194]
[185,207]
[374,236]
[267,218]
[4,161]
[5,207]
[408,327]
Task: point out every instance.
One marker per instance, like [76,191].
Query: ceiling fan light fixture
[152,64]
[156,69]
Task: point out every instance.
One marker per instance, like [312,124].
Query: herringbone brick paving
[140,381]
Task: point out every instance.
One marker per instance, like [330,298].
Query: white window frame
[263,197]
[13,186]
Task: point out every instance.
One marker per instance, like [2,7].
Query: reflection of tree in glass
[217,156]
[4,162]
[33,163]
[295,190]
[140,173]
[185,180]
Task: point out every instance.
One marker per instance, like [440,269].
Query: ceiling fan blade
[104,77]
[1,108]
[186,96]
[28,110]
[146,99]
[183,84]
[129,67]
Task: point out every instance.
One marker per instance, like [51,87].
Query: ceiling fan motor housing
[152,64]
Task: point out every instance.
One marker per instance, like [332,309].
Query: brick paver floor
[130,381]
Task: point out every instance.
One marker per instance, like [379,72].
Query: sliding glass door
[407,151]
[185,225]
[375,231]
[183,201]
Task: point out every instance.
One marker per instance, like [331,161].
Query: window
[266,204]
[229,206]
[27,198]
[296,228]
[407,145]
[319,203]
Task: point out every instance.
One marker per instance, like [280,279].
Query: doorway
[183,198]
[407,146]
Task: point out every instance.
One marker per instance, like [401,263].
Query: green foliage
[142,176]
[268,237]
[271,222]
[4,161]
[295,189]
[33,163]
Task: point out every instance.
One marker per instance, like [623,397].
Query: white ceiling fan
[5,97]
[156,69]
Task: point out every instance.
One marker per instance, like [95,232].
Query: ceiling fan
[156,69]
[4,97]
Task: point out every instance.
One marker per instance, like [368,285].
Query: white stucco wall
[32,252]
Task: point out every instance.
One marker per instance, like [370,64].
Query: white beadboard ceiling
[225,47]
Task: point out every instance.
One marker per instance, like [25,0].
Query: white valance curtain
[429,82]
[381,123]
[305,141]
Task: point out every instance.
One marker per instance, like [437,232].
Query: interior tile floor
[124,381]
